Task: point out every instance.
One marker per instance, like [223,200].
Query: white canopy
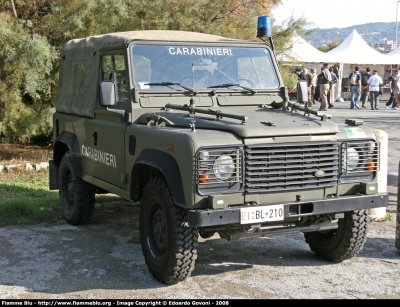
[354,50]
[304,52]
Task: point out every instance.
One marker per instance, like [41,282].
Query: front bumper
[215,217]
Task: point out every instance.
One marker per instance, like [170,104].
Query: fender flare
[168,166]
[67,141]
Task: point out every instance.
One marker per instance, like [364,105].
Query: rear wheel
[344,242]
[169,246]
[77,196]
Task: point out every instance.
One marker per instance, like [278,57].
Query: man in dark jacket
[300,74]
[355,88]
[394,90]
[325,81]
[364,87]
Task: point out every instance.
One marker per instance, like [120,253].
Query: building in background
[385,47]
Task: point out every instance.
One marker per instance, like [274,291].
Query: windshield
[200,67]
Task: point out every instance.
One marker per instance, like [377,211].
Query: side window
[113,69]
[77,78]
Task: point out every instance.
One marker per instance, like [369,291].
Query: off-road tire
[77,197]
[169,246]
[344,242]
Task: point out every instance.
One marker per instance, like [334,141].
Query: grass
[388,217]
[25,198]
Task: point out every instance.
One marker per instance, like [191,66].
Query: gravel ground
[103,259]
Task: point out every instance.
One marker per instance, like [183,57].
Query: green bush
[27,80]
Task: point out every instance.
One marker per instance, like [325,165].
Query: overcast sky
[338,13]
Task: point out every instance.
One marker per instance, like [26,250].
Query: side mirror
[107,93]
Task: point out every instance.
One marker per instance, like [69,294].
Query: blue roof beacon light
[264,28]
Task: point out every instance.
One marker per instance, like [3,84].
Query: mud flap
[53,176]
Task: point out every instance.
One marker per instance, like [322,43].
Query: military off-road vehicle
[199,130]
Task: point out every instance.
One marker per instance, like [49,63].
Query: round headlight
[352,159]
[224,167]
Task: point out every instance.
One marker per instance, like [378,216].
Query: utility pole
[397,6]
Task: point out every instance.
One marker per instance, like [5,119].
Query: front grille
[290,166]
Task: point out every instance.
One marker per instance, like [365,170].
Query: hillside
[372,33]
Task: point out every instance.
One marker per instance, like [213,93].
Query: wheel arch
[67,141]
[152,163]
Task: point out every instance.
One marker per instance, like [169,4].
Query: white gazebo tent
[395,52]
[301,51]
[394,57]
[355,51]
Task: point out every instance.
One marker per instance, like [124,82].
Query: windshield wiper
[232,84]
[218,113]
[168,84]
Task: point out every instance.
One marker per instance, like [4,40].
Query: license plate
[254,215]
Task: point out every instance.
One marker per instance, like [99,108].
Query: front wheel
[344,242]
[77,197]
[169,246]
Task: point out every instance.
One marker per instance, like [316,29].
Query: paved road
[103,259]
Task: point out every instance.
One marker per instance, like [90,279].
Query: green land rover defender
[199,130]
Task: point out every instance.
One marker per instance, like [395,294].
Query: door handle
[95,138]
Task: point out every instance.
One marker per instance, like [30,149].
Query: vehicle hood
[261,122]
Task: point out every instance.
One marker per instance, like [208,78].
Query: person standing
[300,74]
[313,84]
[336,70]
[394,90]
[374,82]
[355,87]
[331,96]
[309,81]
[364,87]
[325,81]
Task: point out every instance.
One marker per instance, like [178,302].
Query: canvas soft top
[77,87]
[94,43]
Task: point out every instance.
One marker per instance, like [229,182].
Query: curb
[27,166]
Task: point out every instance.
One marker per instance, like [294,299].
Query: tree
[330,46]
[282,37]
[231,18]
[33,32]
[27,80]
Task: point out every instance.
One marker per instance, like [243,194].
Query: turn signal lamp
[370,165]
[204,178]
[264,28]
